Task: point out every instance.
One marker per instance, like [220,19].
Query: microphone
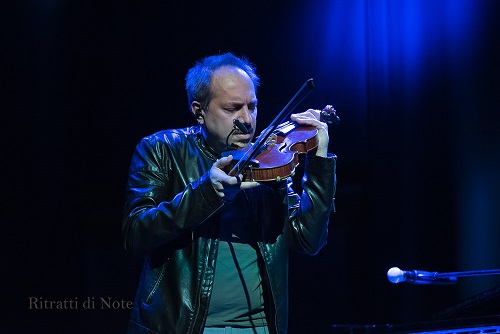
[241,126]
[396,275]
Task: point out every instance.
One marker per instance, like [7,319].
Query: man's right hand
[227,186]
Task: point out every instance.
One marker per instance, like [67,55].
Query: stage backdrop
[415,83]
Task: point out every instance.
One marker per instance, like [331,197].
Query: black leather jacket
[171,220]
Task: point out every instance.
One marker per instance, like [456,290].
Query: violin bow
[285,113]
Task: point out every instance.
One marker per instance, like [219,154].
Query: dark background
[416,84]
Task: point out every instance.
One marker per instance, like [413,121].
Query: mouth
[242,139]
[243,136]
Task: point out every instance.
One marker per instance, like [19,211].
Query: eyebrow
[237,103]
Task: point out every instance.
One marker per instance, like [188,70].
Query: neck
[212,146]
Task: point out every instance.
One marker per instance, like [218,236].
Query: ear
[197,112]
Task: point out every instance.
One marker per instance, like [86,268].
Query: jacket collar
[202,143]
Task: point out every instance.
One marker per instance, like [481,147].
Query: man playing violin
[215,246]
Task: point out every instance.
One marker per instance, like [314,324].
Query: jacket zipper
[270,290]
[157,284]
[202,274]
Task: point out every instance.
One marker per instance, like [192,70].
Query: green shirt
[237,298]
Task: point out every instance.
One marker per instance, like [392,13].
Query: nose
[245,116]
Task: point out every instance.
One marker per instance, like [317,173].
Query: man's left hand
[311,117]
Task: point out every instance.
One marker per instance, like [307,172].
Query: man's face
[233,97]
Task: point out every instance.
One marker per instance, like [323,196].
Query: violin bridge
[273,139]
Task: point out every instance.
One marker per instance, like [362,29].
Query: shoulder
[170,137]
[161,142]
[158,148]
[171,134]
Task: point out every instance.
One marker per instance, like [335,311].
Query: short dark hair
[198,77]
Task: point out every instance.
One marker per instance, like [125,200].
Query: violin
[278,155]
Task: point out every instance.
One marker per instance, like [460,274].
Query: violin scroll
[329,116]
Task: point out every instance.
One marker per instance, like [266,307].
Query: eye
[252,107]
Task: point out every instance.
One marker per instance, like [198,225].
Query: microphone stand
[396,275]
[468,273]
